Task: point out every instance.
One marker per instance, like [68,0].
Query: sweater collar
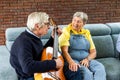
[31,34]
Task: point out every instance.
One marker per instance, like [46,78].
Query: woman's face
[77,23]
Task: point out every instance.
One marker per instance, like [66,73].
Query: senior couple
[75,42]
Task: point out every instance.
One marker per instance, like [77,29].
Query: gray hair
[81,15]
[37,18]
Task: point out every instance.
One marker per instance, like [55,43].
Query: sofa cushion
[115,27]
[102,39]
[115,37]
[112,67]
[101,29]
[104,46]
[115,30]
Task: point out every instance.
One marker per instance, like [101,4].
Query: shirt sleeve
[49,42]
[64,38]
[92,46]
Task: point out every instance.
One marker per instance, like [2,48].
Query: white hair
[81,15]
[37,18]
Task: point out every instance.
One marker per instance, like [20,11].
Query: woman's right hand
[73,66]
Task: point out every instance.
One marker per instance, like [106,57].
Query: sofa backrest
[104,37]
[12,33]
[115,32]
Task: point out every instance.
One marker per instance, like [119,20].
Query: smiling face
[79,20]
[77,23]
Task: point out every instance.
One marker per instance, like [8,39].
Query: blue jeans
[95,71]
[71,75]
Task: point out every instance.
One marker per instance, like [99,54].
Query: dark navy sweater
[26,53]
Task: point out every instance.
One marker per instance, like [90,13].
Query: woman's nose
[75,23]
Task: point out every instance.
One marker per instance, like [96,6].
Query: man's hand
[59,32]
[59,63]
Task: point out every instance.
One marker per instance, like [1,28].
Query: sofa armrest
[6,70]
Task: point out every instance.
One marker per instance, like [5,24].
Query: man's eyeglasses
[47,23]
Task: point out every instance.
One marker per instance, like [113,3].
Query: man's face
[44,29]
[77,23]
[41,31]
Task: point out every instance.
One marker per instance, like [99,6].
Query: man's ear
[36,27]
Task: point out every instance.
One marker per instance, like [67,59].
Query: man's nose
[48,26]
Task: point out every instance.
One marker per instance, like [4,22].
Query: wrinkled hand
[85,62]
[59,63]
[59,32]
[73,66]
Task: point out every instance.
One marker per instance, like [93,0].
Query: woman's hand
[92,55]
[85,62]
[73,66]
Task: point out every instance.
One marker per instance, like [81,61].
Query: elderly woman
[79,51]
